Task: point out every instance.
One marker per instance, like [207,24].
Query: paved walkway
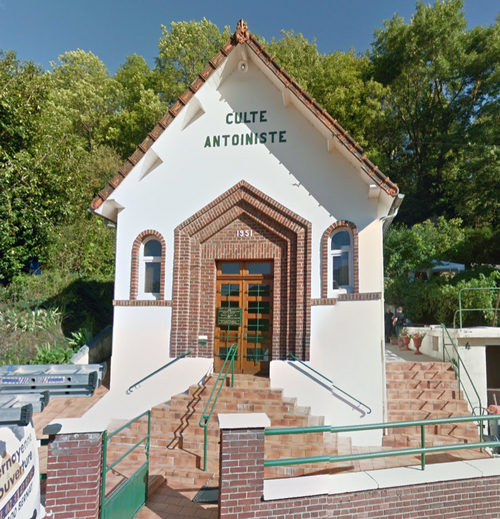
[394,354]
[175,502]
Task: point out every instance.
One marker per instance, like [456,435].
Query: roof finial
[242,33]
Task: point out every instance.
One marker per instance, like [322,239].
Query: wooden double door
[244,315]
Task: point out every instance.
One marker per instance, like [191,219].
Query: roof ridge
[243,36]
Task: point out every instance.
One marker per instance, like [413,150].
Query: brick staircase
[425,390]
[176,450]
[415,390]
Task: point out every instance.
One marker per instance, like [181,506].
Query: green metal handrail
[205,418]
[332,384]
[133,386]
[106,439]
[423,450]
[460,362]
[460,309]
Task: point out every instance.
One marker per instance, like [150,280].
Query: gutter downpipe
[387,220]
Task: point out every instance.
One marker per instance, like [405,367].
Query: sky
[41,30]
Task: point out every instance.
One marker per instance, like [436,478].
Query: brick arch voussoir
[324,254]
[135,265]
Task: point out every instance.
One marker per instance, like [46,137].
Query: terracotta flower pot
[406,341]
[417,343]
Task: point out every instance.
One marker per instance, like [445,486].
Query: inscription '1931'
[244,233]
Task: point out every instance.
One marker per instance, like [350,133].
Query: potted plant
[417,341]
[393,340]
[406,337]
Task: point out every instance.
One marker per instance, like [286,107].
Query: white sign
[19,474]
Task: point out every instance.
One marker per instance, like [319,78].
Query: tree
[184,52]
[84,98]
[140,104]
[441,79]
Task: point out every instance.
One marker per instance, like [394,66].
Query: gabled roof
[242,36]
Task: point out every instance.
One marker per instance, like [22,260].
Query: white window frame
[144,260]
[343,289]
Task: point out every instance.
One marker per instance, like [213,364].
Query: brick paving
[175,502]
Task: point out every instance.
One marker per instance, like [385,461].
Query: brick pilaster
[74,467]
[241,463]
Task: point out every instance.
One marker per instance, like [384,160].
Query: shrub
[436,300]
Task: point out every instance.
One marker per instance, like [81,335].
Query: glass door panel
[244,303]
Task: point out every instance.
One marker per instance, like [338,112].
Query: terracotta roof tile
[242,36]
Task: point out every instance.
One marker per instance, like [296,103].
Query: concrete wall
[97,350]
[347,348]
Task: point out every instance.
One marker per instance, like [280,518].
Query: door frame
[242,333]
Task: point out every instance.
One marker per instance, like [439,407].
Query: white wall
[141,343]
[346,347]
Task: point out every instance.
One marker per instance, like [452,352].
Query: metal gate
[125,480]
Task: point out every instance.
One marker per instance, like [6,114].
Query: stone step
[245,381]
[417,394]
[417,366]
[397,376]
[177,442]
[444,389]
[427,405]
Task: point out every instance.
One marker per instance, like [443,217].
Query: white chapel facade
[249,216]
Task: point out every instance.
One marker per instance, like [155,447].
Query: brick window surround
[210,235]
[325,263]
[136,263]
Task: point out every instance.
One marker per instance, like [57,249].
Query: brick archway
[208,236]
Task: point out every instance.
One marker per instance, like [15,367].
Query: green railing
[461,310]
[459,367]
[126,501]
[332,384]
[133,386]
[422,450]
[219,383]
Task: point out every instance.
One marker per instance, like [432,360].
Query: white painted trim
[244,421]
[287,96]
[379,479]
[374,191]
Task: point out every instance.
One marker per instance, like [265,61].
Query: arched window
[341,260]
[148,267]
[151,259]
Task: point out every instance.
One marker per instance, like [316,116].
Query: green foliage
[29,320]
[81,337]
[184,52]
[415,248]
[436,300]
[441,111]
[48,354]
[141,106]
[84,98]
[83,246]
[53,309]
